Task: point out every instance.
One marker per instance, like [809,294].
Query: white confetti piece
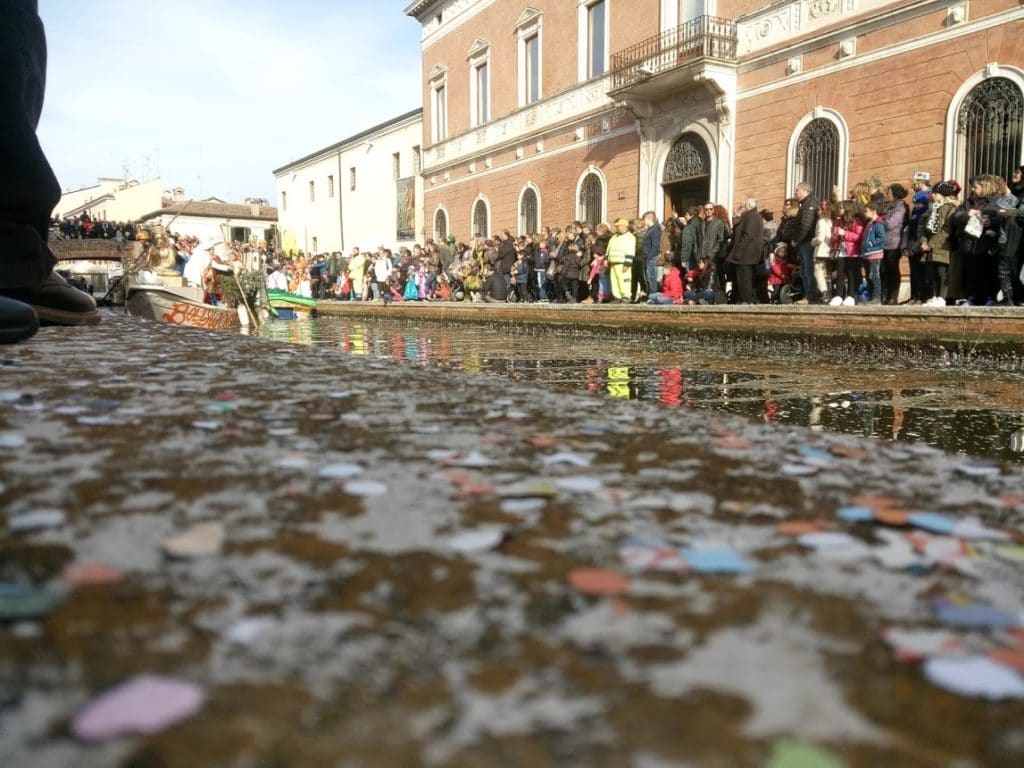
[340,471]
[975,676]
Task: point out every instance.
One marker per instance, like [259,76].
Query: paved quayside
[317,559]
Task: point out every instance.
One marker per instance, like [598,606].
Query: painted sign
[183,313]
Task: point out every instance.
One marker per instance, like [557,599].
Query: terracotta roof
[215,210]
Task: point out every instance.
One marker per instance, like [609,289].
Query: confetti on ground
[715,560]
[144,705]
[567,457]
[11,441]
[91,574]
[206,426]
[481,540]
[598,582]
[793,754]
[19,602]
[365,488]
[859,514]
[975,676]
[580,484]
[200,540]
[340,471]
[972,615]
[36,520]
[650,555]
[912,645]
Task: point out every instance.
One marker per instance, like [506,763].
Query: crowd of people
[959,246]
[84,228]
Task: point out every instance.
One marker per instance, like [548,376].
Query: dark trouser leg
[917,288]
[1005,269]
[28,188]
[891,276]
[806,251]
[639,283]
[941,279]
[745,283]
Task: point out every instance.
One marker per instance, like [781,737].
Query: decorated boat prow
[179,306]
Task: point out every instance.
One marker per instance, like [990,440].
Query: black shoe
[57,303]
[17,321]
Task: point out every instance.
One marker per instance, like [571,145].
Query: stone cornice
[780,23]
[523,124]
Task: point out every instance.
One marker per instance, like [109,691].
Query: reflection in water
[959,411]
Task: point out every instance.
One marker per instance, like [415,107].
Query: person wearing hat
[621,252]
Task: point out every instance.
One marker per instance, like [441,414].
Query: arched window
[687,159]
[440,225]
[528,205]
[816,157]
[989,127]
[480,223]
[591,201]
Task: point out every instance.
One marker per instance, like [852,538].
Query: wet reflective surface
[969,411]
[358,562]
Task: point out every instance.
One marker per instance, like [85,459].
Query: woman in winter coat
[934,230]
[974,234]
[896,220]
[822,242]
[847,233]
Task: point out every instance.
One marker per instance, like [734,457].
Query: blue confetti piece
[856,514]
[932,522]
[715,561]
[973,615]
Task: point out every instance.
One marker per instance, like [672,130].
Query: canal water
[959,409]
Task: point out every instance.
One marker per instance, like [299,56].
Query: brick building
[538,112]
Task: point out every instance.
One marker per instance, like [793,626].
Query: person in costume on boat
[197,264]
[621,252]
[277,280]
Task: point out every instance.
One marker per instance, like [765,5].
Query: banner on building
[405,224]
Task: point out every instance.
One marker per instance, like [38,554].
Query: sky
[212,95]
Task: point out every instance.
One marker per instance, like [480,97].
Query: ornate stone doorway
[687,176]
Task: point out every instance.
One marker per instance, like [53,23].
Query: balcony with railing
[705,37]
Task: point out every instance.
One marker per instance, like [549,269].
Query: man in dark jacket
[650,246]
[747,250]
[690,241]
[506,258]
[803,233]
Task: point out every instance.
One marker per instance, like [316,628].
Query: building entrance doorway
[687,175]
[680,195]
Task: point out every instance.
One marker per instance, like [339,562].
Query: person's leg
[28,187]
[806,251]
[891,276]
[745,283]
[651,275]
[875,279]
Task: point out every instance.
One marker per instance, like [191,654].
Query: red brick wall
[630,21]
[895,110]
[555,175]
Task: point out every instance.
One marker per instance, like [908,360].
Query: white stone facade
[355,193]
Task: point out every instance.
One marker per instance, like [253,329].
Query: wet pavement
[970,408]
[339,560]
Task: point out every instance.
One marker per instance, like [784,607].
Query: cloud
[220,92]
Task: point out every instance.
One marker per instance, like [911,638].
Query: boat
[179,306]
[290,306]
